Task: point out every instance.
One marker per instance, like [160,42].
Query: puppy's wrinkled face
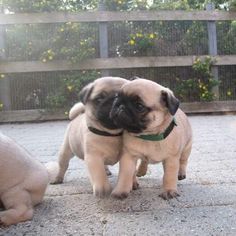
[142,106]
[99,97]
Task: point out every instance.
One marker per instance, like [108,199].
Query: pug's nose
[121,107]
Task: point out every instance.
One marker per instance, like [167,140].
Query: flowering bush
[69,87]
[201,86]
[73,42]
[141,42]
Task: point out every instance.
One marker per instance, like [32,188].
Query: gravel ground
[207,205]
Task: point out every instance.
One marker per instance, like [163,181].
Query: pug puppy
[23,181]
[92,135]
[156,131]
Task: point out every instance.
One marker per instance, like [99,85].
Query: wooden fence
[104,63]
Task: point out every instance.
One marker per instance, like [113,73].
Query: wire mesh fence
[75,41]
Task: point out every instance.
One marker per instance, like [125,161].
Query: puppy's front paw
[102,192]
[58,180]
[169,194]
[119,194]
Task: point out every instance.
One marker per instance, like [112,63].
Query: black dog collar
[103,133]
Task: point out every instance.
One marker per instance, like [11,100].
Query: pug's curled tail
[53,170]
[76,110]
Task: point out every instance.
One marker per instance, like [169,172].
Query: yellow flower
[139,35]
[151,36]
[49,51]
[61,29]
[119,2]
[66,112]
[44,60]
[69,87]
[229,93]
[2,76]
[131,42]
[1,105]
[50,58]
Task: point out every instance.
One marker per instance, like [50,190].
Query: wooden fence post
[212,47]
[5,95]
[103,37]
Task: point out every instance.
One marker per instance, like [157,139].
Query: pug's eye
[139,107]
[99,98]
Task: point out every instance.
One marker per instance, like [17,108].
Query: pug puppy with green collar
[92,135]
[156,130]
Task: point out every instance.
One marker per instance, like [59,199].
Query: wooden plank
[103,38]
[31,115]
[209,107]
[103,16]
[109,63]
[212,48]
[45,115]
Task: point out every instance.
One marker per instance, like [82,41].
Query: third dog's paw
[169,194]
[2,225]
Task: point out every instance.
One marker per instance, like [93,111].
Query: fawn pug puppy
[92,135]
[156,131]
[23,182]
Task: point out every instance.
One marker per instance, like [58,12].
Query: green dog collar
[161,136]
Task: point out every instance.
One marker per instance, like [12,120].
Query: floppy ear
[170,101]
[85,93]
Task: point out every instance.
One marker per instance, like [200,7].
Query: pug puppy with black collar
[156,130]
[92,135]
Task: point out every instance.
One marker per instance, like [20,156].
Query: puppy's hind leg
[65,154]
[108,172]
[142,168]
[184,161]
[18,207]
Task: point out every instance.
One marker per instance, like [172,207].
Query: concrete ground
[207,205]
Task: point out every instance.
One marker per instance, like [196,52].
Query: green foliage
[126,5]
[49,5]
[232,5]
[69,87]
[201,86]
[140,43]
[71,41]
[1,106]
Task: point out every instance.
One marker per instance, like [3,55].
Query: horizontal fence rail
[110,63]
[46,115]
[105,16]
